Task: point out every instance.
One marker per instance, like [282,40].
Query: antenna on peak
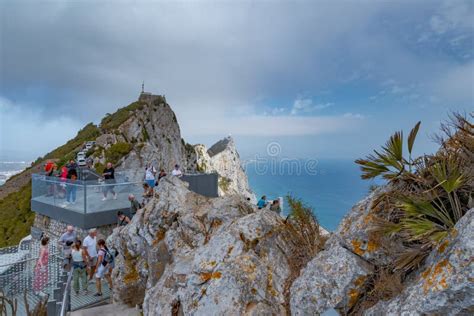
[143,86]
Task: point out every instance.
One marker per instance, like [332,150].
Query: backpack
[109,257]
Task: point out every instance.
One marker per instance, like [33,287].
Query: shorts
[151,183]
[92,262]
[102,271]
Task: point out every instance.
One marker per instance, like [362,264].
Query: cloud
[302,105]
[223,65]
[24,132]
[261,125]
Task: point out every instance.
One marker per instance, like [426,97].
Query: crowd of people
[90,259]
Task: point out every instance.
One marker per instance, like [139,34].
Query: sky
[323,79]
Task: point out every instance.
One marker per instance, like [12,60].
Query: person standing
[176,171]
[105,263]
[134,205]
[90,245]
[41,269]
[109,176]
[66,241]
[49,169]
[150,173]
[71,187]
[79,263]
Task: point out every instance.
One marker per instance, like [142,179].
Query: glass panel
[62,193]
[111,196]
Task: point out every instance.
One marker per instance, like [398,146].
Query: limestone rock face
[333,279]
[156,136]
[444,286]
[192,255]
[355,234]
[224,159]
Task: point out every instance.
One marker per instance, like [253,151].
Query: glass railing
[84,196]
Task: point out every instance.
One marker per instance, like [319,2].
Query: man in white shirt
[176,171]
[90,245]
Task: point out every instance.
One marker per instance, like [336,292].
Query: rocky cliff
[184,254]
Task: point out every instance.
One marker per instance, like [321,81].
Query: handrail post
[85,196]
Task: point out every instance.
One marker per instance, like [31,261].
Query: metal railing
[66,302]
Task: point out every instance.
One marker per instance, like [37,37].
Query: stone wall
[54,228]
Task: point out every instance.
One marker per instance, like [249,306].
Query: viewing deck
[87,207]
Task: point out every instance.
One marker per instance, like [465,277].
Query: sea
[10,168]
[330,187]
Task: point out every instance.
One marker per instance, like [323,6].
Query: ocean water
[10,168]
[330,187]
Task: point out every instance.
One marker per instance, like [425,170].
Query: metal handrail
[56,254]
[67,288]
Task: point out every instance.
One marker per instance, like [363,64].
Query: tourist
[134,205]
[72,164]
[150,173]
[49,169]
[105,263]
[90,245]
[262,202]
[71,187]
[79,263]
[41,269]
[162,174]
[66,241]
[122,219]
[147,193]
[176,171]
[275,207]
[109,176]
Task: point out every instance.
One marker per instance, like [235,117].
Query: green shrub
[145,134]
[115,152]
[113,121]
[426,197]
[16,216]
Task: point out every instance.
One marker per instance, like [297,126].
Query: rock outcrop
[333,279]
[187,254]
[224,159]
[156,136]
[444,285]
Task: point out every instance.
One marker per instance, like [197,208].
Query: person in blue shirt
[262,202]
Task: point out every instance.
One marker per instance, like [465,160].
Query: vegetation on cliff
[16,216]
[424,198]
[112,121]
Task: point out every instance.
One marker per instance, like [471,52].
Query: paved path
[107,310]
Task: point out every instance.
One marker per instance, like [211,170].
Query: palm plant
[390,163]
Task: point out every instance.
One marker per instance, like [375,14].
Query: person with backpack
[105,264]
[79,263]
[122,219]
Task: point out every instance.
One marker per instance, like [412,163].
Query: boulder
[333,279]
[444,286]
[195,255]
[355,233]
